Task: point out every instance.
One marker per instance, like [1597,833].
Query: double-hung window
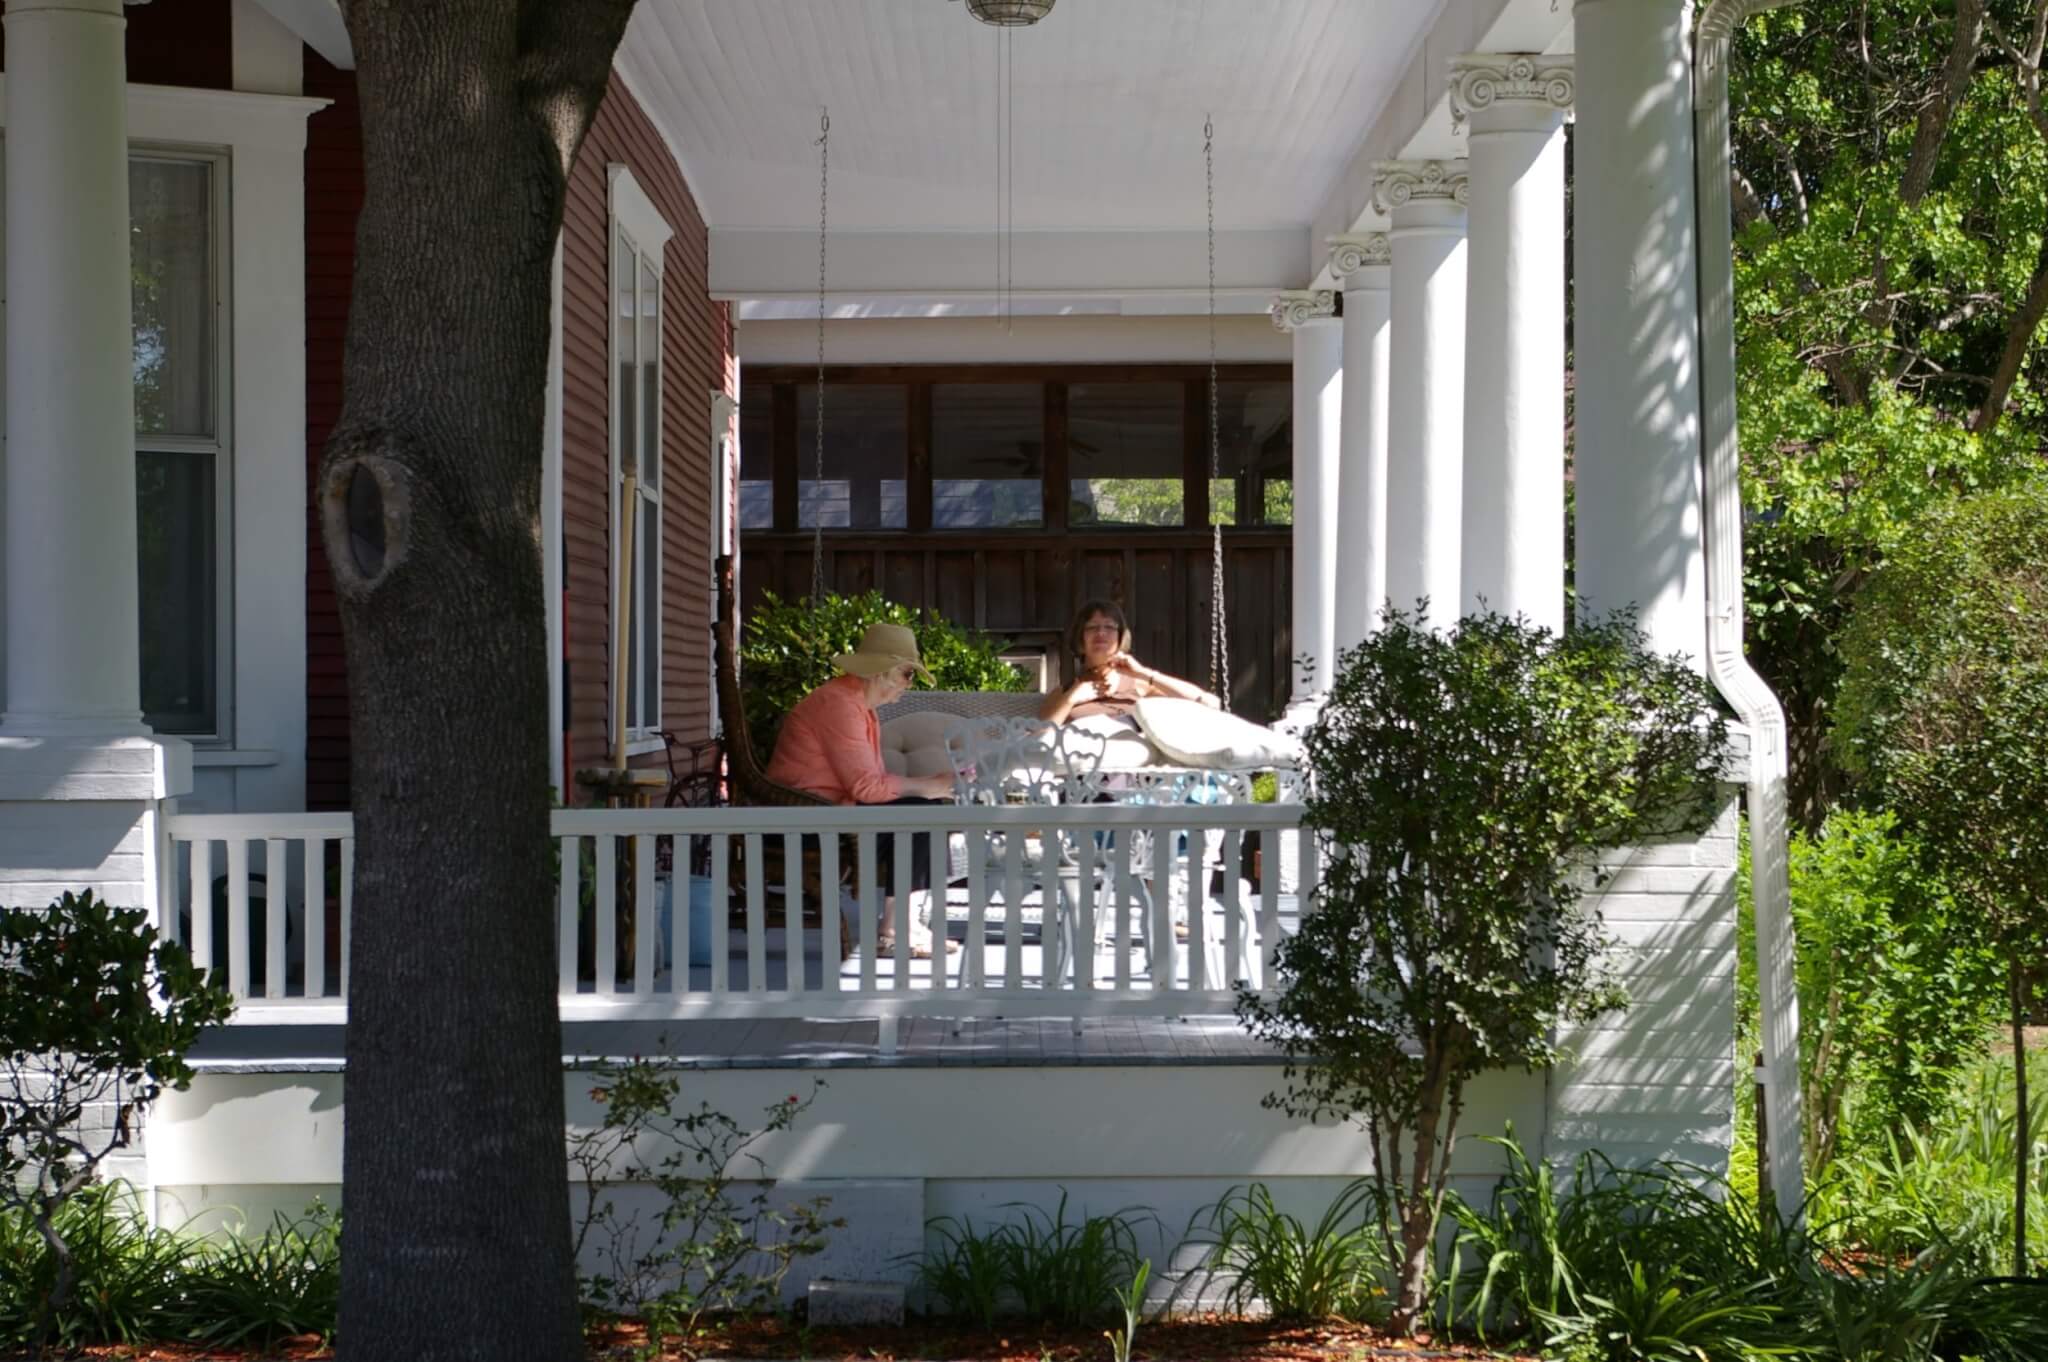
[638,236]
[181,450]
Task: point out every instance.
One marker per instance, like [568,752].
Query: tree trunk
[2022,1153]
[454,1174]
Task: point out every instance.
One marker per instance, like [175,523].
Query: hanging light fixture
[1010,13]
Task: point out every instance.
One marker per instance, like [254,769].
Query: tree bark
[457,1236]
[2019,338]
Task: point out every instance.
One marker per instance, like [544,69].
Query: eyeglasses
[905,674]
[1101,627]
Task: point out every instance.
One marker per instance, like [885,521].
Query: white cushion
[1191,734]
[915,744]
[1124,748]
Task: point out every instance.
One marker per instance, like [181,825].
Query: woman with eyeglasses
[830,745]
[1107,679]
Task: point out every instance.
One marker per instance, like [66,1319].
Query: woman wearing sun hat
[831,746]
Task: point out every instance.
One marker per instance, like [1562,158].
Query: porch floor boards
[804,1043]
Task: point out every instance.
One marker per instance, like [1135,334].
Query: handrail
[1746,691]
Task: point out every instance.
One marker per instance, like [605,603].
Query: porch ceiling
[1109,100]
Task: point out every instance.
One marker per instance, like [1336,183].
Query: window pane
[867,448]
[650,611]
[1124,453]
[624,351]
[171,220]
[175,552]
[757,457]
[1256,447]
[649,318]
[988,455]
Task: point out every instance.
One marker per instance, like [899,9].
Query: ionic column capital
[1512,89]
[1353,254]
[1403,184]
[1298,307]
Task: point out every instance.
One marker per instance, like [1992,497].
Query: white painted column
[73,664]
[1426,399]
[1310,315]
[1513,537]
[1639,514]
[1365,263]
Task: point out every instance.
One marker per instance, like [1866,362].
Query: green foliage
[1040,1264]
[1470,780]
[1876,296]
[788,649]
[1334,1269]
[720,1241]
[1945,708]
[257,1293]
[1667,1263]
[139,1284]
[97,1015]
[1131,1300]
[1944,1187]
[1895,997]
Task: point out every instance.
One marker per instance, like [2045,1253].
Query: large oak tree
[457,1215]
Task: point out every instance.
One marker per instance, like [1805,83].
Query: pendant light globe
[1009,13]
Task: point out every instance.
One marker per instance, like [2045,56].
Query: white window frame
[221,445]
[635,219]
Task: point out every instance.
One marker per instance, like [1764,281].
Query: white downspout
[1738,682]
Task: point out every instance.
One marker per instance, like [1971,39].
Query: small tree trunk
[2022,1153]
[1418,1208]
[454,1173]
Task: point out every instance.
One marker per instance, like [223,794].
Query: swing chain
[1219,617]
[818,516]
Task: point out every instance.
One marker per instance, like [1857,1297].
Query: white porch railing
[1063,911]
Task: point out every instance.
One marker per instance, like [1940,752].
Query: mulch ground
[1211,1338]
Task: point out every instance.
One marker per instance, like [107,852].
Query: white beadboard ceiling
[1108,106]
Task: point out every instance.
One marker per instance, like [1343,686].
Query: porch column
[1637,463]
[1513,526]
[1311,316]
[1426,401]
[1365,263]
[72,653]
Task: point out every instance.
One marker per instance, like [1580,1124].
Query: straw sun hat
[882,647]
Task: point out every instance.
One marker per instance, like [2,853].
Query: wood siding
[696,358]
[696,355]
[334,195]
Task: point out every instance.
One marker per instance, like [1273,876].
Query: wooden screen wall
[1025,584]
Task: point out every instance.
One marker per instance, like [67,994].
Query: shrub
[788,649]
[1041,1265]
[719,1241]
[1334,1269]
[1462,786]
[1944,707]
[94,1024]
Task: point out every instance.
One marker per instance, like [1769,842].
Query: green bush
[788,647]
[1464,788]
[1666,1263]
[1334,1269]
[1040,1265]
[135,1283]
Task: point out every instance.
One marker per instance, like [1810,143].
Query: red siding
[334,194]
[185,42]
[696,357]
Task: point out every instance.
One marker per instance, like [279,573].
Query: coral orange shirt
[831,746]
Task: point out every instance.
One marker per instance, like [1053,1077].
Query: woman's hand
[928,787]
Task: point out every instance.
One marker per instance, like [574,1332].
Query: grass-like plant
[1271,1260]
[253,1293]
[1039,1264]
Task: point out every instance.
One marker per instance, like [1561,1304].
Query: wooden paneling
[334,195]
[696,358]
[1024,587]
